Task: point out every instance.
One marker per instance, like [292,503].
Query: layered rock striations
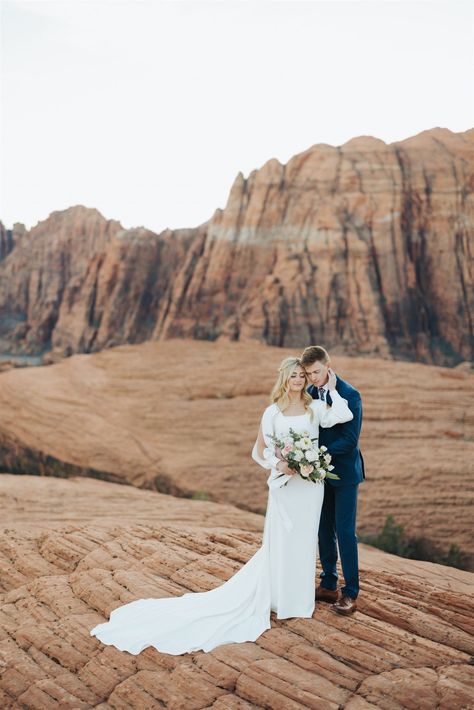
[409,645]
[365,247]
[181,417]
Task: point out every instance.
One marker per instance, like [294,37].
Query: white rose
[298,455]
[299,444]
[323,448]
[311,455]
[306,443]
[322,472]
[328,458]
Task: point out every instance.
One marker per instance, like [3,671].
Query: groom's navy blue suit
[338,515]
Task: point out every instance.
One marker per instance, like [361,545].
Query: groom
[338,515]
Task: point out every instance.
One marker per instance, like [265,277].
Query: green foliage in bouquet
[303,455]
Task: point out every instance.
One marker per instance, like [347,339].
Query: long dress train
[279,577]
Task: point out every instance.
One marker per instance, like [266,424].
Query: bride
[280,577]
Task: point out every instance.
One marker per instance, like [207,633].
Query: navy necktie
[322,393]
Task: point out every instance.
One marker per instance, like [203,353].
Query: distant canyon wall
[365,248]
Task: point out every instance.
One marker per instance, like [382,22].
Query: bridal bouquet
[302,455]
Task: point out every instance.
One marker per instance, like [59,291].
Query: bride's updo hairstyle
[279,394]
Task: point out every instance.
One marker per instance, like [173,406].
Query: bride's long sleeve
[269,459]
[337,413]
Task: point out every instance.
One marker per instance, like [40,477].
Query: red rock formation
[409,645]
[78,282]
[8,238]
[364,247]
[182,416]
[47,265]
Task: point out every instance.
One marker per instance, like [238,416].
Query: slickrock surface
[408,646]
[364,246]
[182,416]
[43,503]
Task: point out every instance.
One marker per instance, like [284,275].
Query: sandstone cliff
[181,417]
[364,247]
[409,646]
[8,239]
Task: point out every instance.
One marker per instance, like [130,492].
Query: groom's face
[317,373]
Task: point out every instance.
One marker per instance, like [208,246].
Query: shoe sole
[345,613]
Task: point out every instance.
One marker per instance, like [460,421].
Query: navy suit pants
[338,523]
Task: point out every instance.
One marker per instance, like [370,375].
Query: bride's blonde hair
[279,394]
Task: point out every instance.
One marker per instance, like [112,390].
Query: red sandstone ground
[183,415]
[409,646]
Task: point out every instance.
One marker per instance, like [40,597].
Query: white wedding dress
[280,576]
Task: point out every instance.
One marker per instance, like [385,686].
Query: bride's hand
[283,467]
[331,379]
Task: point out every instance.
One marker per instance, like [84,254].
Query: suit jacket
[342,440]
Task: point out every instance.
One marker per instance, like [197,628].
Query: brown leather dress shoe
[345,605]
[326,595]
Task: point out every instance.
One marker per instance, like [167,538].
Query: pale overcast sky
[148,110]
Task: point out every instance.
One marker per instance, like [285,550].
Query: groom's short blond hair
[314,353]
